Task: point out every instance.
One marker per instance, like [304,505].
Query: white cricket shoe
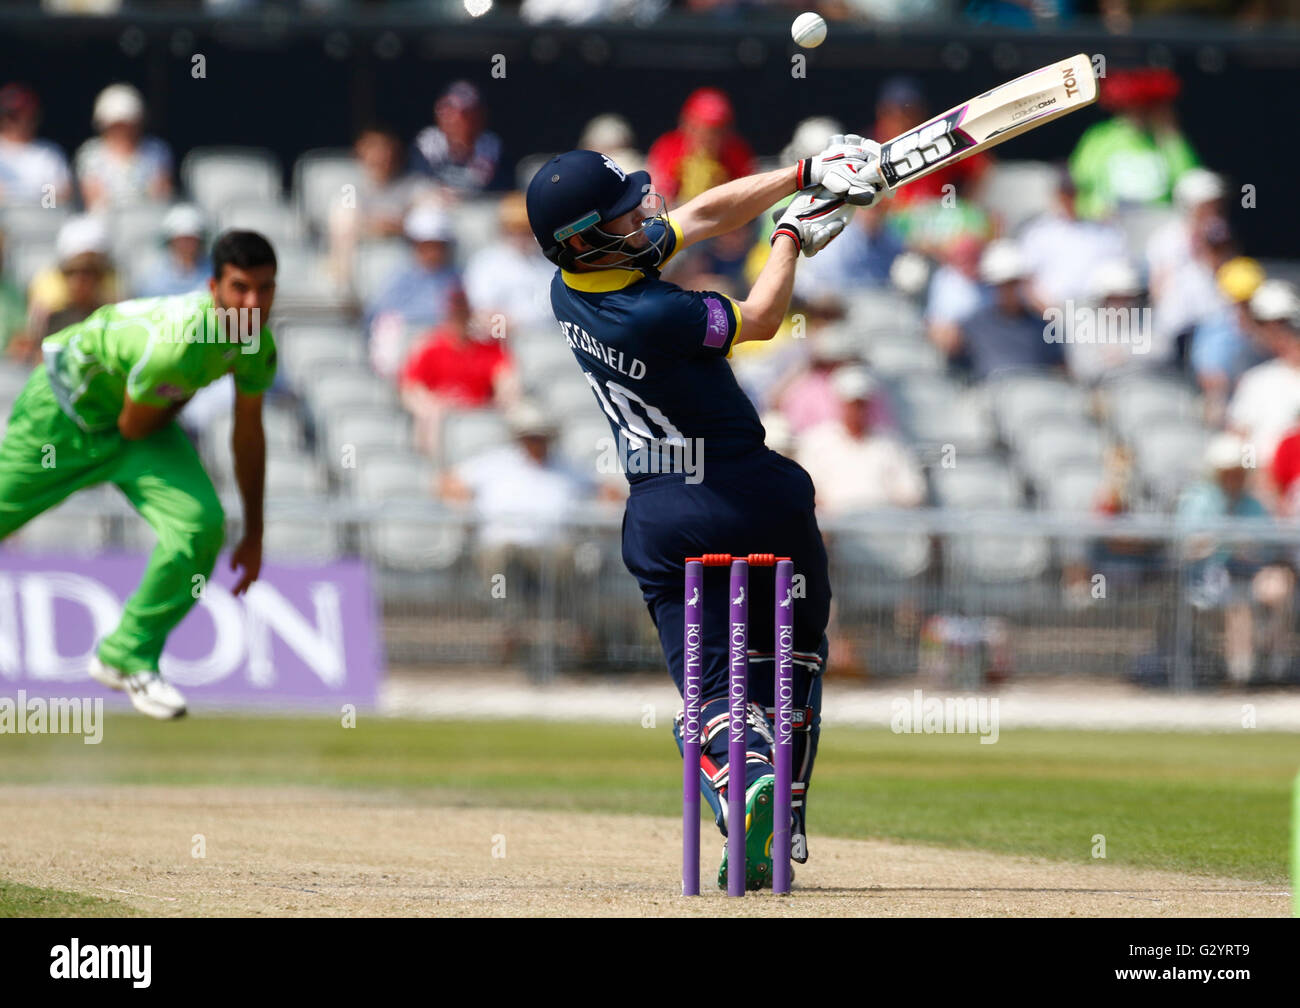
[153,695]
[150,693]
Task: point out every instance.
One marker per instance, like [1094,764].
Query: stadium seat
[318,180]
[893,555]
[307,349]
[214,176]
[586,444]
[343,389]
[1052,442]
[375,265]
[293,475]
[570,396]
[881,309]
[365,432]
[997,559]
[538,360]
[136,231]
[936,411]
[302,538]
[389,476]
[302,276]
[1020,401]
[13,376]
[890,355]
[24,260]
[477,225]
[1018,191]
[277,221]
[977,484]
[412,545]
[1169,455]
[466,433]
[23,225]
[1134,403]
[1073,489]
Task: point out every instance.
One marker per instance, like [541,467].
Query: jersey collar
[601,281]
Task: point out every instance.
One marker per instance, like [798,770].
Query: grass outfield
[1188,802]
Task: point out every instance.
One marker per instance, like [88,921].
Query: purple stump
[691,731]
[784,694]
[737,727]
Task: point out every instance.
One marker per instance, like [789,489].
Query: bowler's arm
[138,420]
[248,445]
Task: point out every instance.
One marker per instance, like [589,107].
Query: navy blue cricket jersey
[655,356]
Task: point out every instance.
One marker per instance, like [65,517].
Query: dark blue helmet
[574,193]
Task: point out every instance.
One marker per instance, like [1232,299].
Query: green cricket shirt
[159,351]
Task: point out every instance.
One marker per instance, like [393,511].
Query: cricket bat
[989,119]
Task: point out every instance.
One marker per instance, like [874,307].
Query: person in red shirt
[455,366]
[704,151]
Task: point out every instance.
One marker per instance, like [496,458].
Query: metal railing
[959,598]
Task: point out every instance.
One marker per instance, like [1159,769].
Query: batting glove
[848,167]
[812,219]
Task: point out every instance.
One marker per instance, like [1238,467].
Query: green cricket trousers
[46,456]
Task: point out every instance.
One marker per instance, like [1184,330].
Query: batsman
[101,408]
[655,356]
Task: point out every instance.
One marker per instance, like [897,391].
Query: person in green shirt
[102,407]
[1133,159]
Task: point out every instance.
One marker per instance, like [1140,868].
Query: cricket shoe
[150,693]
[760,801]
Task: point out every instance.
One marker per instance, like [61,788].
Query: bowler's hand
[248,555]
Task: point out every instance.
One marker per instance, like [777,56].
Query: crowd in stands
[1084,337]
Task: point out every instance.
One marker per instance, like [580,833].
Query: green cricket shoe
[759,804]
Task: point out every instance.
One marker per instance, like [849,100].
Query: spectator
[82,281]
[955,294]
[416,298]
[1190,296]
[122,167]
[860,258]
[13,313]
[1223,346]
[766,368]
[512,278]
[1198,200]
[612,135]
[1064,251]
[1267,399]
[1119,337]
[1134,158]
[456,366]
[384,196]
[183,266]
[704,151]
[458,152]
[808,398]
[853,466]
[32,172]
[1006,335]
[1234,577]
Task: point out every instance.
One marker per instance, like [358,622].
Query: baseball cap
[118,103]
[1197,185]
[1239,278]
[461,95]
[428,224]
[1275,301]
[79,235]
[527,419]
[853,383]
[708,107]
[1225,451]
[17,99]
[184,220]
[1001,263]
[1115,278]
